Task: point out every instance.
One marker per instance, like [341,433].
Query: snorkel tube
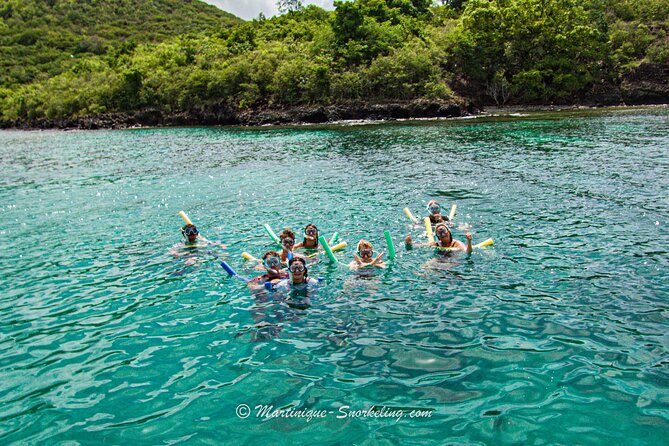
[328,251]
[391,245]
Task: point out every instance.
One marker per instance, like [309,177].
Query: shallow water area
[555,335]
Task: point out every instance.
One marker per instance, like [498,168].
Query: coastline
[305,115]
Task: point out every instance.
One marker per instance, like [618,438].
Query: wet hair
[431,202]
[188,226]
[302,261]
[287,233]
[364,244]
[310,225]
[270,254]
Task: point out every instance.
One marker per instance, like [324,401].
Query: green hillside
[42,38]
[515,52]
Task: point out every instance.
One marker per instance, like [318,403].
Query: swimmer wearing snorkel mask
[190,234]
[310,240]
[434,208]
[192,239]
[273,272]
[444,239]
[299,278]
[287,240]
[365,257]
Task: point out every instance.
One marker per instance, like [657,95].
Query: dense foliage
[522,51]
[43,38]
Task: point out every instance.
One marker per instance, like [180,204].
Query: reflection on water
[557,334]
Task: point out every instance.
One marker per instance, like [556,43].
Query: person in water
[298,277]
[310,240]
[435,213]
[192,239]
[365,256]
[273,272]
[444,240]
[287,239]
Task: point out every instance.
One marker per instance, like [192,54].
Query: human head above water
[190,232]
[287,238]
[434,207]
[274,259]
[442,232]
[365,248]
[296,271]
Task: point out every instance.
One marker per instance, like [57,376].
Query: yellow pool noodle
[410,215]
[183,215]
[451,216]
[428,229]
[339,246]
[248,256]
[483,243]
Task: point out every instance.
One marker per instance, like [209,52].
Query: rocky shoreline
[647,84]
[218,114]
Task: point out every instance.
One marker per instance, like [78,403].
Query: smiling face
[311,232]
[444,235]
[298,270]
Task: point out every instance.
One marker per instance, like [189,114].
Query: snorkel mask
[187,231]
[311,232]
[434,208]
[442,231]
[297,265]
[366,253]
[287,243]
[272,263]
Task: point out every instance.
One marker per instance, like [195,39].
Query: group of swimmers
[296,277]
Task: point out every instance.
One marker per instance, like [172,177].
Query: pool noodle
[228,269]
[248,256]
[451,216]
[334,238]
[410,215]
[341,245]
[391,245]
[272,235]
[183,215]
[483,244]
[328,251]
[428,229]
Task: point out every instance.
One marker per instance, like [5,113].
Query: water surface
[557,335]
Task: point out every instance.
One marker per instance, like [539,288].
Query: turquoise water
[556,335]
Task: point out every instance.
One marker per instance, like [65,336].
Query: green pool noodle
[271,234]
[391,245]
[328,251]
[334,238]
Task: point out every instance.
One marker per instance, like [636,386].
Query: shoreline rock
[218,114]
